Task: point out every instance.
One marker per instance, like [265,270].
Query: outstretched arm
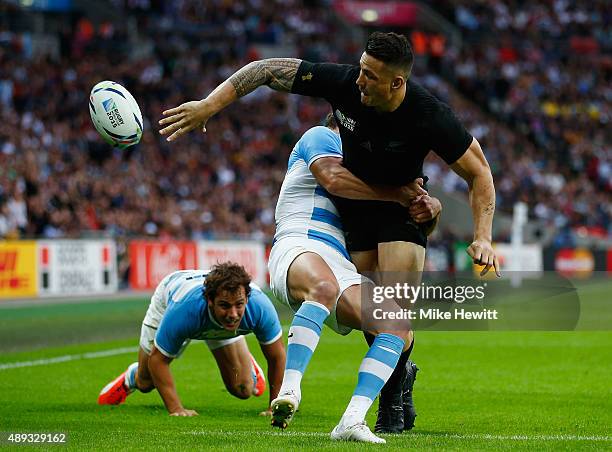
[277,73]
[275,356]
[474,169]
[339,181]
[159,367]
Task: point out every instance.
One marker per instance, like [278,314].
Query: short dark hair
[392,49]
[330,121]
[227,276]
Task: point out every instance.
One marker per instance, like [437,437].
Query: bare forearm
[277,73]
[221,97]
[276,370]
[346,185]
[482,200]
[162,378]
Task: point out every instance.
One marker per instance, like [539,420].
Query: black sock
[409,351]
[369,338]
[394,384]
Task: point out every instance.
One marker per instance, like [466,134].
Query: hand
[184,118]
[411,191]
[266,413]
[424,208]
[481,251]
[182,412]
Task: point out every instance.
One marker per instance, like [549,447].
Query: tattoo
[277,73]
[489,209]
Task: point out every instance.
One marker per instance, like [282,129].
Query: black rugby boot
[407,402]
[390,414]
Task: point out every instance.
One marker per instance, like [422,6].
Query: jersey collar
[212,317]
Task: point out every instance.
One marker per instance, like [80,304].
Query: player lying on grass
[310,270]
[219,306]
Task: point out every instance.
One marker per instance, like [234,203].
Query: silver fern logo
[345,121]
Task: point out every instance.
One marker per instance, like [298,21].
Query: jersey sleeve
[450,138]
[268,328]
[177,325]
[326,80]
[320,142]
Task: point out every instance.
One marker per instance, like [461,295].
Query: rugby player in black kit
[388,125]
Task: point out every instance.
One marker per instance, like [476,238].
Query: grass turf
[476,390]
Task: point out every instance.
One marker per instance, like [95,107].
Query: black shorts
[381,222]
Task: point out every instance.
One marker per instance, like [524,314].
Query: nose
[359,82]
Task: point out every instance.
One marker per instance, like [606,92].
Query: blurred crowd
[543,68]
[58,179]
[541,118]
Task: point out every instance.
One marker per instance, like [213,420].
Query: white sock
[376,368]
[292,381]
[356,410]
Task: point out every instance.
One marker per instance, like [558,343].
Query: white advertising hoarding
[524,258]
[69,267]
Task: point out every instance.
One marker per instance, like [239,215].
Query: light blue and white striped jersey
[186,314]
[304,208]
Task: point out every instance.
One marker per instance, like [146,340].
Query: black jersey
[384,148]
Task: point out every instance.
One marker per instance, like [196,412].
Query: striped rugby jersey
[304,208]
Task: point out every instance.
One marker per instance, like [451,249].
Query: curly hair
[227,276]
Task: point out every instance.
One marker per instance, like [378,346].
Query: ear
[397,82]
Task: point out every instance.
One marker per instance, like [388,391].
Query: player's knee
[325,292]
[146,389]
[242,390]
[144,384]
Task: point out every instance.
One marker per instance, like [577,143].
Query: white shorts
[147,340]
[284,253]
[154,316]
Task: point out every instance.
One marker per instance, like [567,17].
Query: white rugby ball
[115,114]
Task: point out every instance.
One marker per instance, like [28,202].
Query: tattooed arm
[474,169]
[277,73]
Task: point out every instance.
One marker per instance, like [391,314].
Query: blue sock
[303,339]
[375,370]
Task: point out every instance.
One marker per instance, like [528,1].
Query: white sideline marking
[485,436]
[62,359]
[524,437]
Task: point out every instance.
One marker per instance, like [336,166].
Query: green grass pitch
[475,390]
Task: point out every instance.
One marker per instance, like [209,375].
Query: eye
[369,75]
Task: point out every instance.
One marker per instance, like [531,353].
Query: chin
[366,100]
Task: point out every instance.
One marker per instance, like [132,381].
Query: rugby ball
[115,114]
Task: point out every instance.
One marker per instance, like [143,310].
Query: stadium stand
[544,133]
[543,69]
